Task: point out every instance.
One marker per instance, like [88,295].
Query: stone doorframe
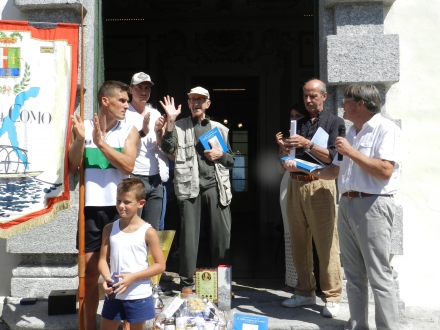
[352,48]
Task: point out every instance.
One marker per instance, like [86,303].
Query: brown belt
[358,194]
[303,177]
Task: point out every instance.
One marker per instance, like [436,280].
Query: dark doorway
[253,57]
[234,103]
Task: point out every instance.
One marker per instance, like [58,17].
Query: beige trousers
[311,213]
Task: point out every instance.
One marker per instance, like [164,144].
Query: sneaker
[297,300]
[166,278]
[164,291]
[331,309]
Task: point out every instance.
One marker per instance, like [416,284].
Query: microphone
[341,132]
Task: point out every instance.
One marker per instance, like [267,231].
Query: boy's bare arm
[153,244]
[104,254]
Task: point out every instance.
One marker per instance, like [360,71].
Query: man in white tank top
[107,146]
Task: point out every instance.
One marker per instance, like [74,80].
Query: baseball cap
[140,77]
[199,90]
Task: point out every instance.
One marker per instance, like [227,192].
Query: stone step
[257,301]
[31,281]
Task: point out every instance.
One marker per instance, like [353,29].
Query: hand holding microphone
[341,133]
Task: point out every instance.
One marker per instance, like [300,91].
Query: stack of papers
[320,138]
[303,164]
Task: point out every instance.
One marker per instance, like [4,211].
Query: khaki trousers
[311,213]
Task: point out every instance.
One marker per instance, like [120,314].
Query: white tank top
[101,177]
[128,254]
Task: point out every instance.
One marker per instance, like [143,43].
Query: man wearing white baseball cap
[201,180]
[151,164]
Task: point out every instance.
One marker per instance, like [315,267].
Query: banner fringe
[38,221]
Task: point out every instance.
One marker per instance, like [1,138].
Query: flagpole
[81,220]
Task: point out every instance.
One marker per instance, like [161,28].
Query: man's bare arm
[171,111]
[329,172]
[122,161]
[76,147]
[298,141]
[379,168]
[321,153]
[159,128]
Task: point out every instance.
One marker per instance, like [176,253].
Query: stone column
[353,48]
[48,252]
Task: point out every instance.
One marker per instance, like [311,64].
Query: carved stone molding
[155,5]
[332,3]
[280,4]
[223,45]
[233,45]
[170,6]
[29,5]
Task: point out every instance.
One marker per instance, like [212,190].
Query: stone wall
[353,48]
[48,252]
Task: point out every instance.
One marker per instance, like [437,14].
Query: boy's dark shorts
[134,311]
[96,218]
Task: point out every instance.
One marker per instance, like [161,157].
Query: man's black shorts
[97,217]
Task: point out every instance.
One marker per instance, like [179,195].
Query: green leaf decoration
[18,88]
[16,34]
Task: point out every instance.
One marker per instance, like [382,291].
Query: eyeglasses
[199,100]
[345,99]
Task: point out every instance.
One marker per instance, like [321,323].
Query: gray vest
[186,168]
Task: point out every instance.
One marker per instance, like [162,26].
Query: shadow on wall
[9,261]
[9,12]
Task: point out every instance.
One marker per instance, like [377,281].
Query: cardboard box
[62,302]
[224,287]
[206,283]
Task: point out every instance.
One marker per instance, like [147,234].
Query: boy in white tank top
[125,246]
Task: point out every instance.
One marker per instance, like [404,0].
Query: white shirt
[379,138]
[129,254]
[150,160]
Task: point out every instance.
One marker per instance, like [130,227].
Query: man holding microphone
[368,176]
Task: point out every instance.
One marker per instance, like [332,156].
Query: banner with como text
[38,79]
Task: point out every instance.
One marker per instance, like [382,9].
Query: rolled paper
[292,133]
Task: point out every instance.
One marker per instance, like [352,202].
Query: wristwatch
[142,134]
[310,148]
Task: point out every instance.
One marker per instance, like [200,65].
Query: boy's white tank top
[128,254]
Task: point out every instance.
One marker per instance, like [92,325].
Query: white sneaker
[297,300]
[331,309]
